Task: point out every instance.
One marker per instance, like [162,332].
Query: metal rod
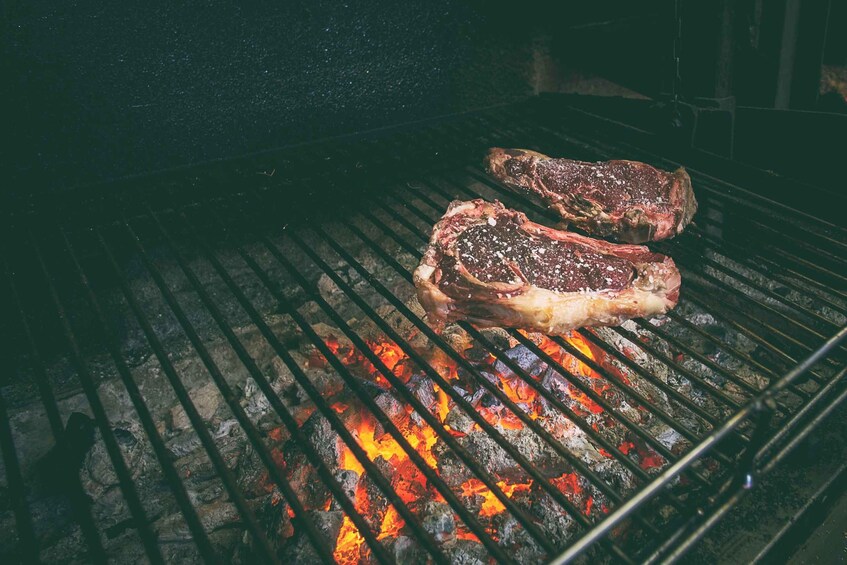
[685,401]
[253,434]
[125,482]
[444,385]
[496,351]
[78,498]
[379,480]
[760,288]
[162,453]
[592,394]
[27,547]
[197,422]
[699,260]
[692,456]
[489,481]
[229,396]
[719,313]
[499,354]
[740,255]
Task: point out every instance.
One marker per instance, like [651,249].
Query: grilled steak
[621,200]
[493,267]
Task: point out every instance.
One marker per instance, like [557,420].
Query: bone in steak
[621,200]
[492,266]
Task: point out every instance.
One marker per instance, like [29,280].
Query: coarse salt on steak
[620,200]
[492,266]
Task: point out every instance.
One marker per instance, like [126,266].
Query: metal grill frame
[743,441]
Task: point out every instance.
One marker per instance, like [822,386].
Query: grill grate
[190,261]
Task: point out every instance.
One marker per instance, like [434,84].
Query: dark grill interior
[212,282]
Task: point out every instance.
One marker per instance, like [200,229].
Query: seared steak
[621,200]
[493,267]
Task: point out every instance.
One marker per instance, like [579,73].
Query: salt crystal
[492,222]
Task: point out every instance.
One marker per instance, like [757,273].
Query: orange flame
[491,505]
[392,523]
[409,483]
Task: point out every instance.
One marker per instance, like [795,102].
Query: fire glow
[410,485]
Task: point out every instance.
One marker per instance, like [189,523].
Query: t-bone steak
[492,266]
[620,200]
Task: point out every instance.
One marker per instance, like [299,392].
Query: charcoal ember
[98,473]
[391,405]
[487,452]
[459,420]
[205,399]
[377,501]
[327,382]
[424,391]
[467,552]
[476,353]
[437,519]
[184,444]
[488,400]
[400,324]
[531,446]
[319,433]
[327,522]
[523,358]
[304,480]
[513,535]
[450,468]
[499,337]
[406,550]
[281,381]
[671,439]
[558,524]
[348,480]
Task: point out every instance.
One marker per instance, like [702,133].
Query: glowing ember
[491,506]
[408,481]
[392,523]
[348,544]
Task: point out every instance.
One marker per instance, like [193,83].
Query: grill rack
[741,440]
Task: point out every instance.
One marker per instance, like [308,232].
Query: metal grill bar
[659,413]
[226,476]
[384,420]
[126,483]
[693,455]
[82,511]
[27,544]
[444,385]
[365,461]
[250,429]
[143,412]
[713,308]
[782,327]
[500,354]
[741,256]
[576,382]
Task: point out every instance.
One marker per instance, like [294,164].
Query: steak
[620,200]
[492,266]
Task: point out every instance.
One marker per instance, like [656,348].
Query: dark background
[96,91]
[100,90]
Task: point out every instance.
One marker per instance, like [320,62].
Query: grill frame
[749,423]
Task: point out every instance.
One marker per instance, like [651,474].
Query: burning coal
[407,480]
